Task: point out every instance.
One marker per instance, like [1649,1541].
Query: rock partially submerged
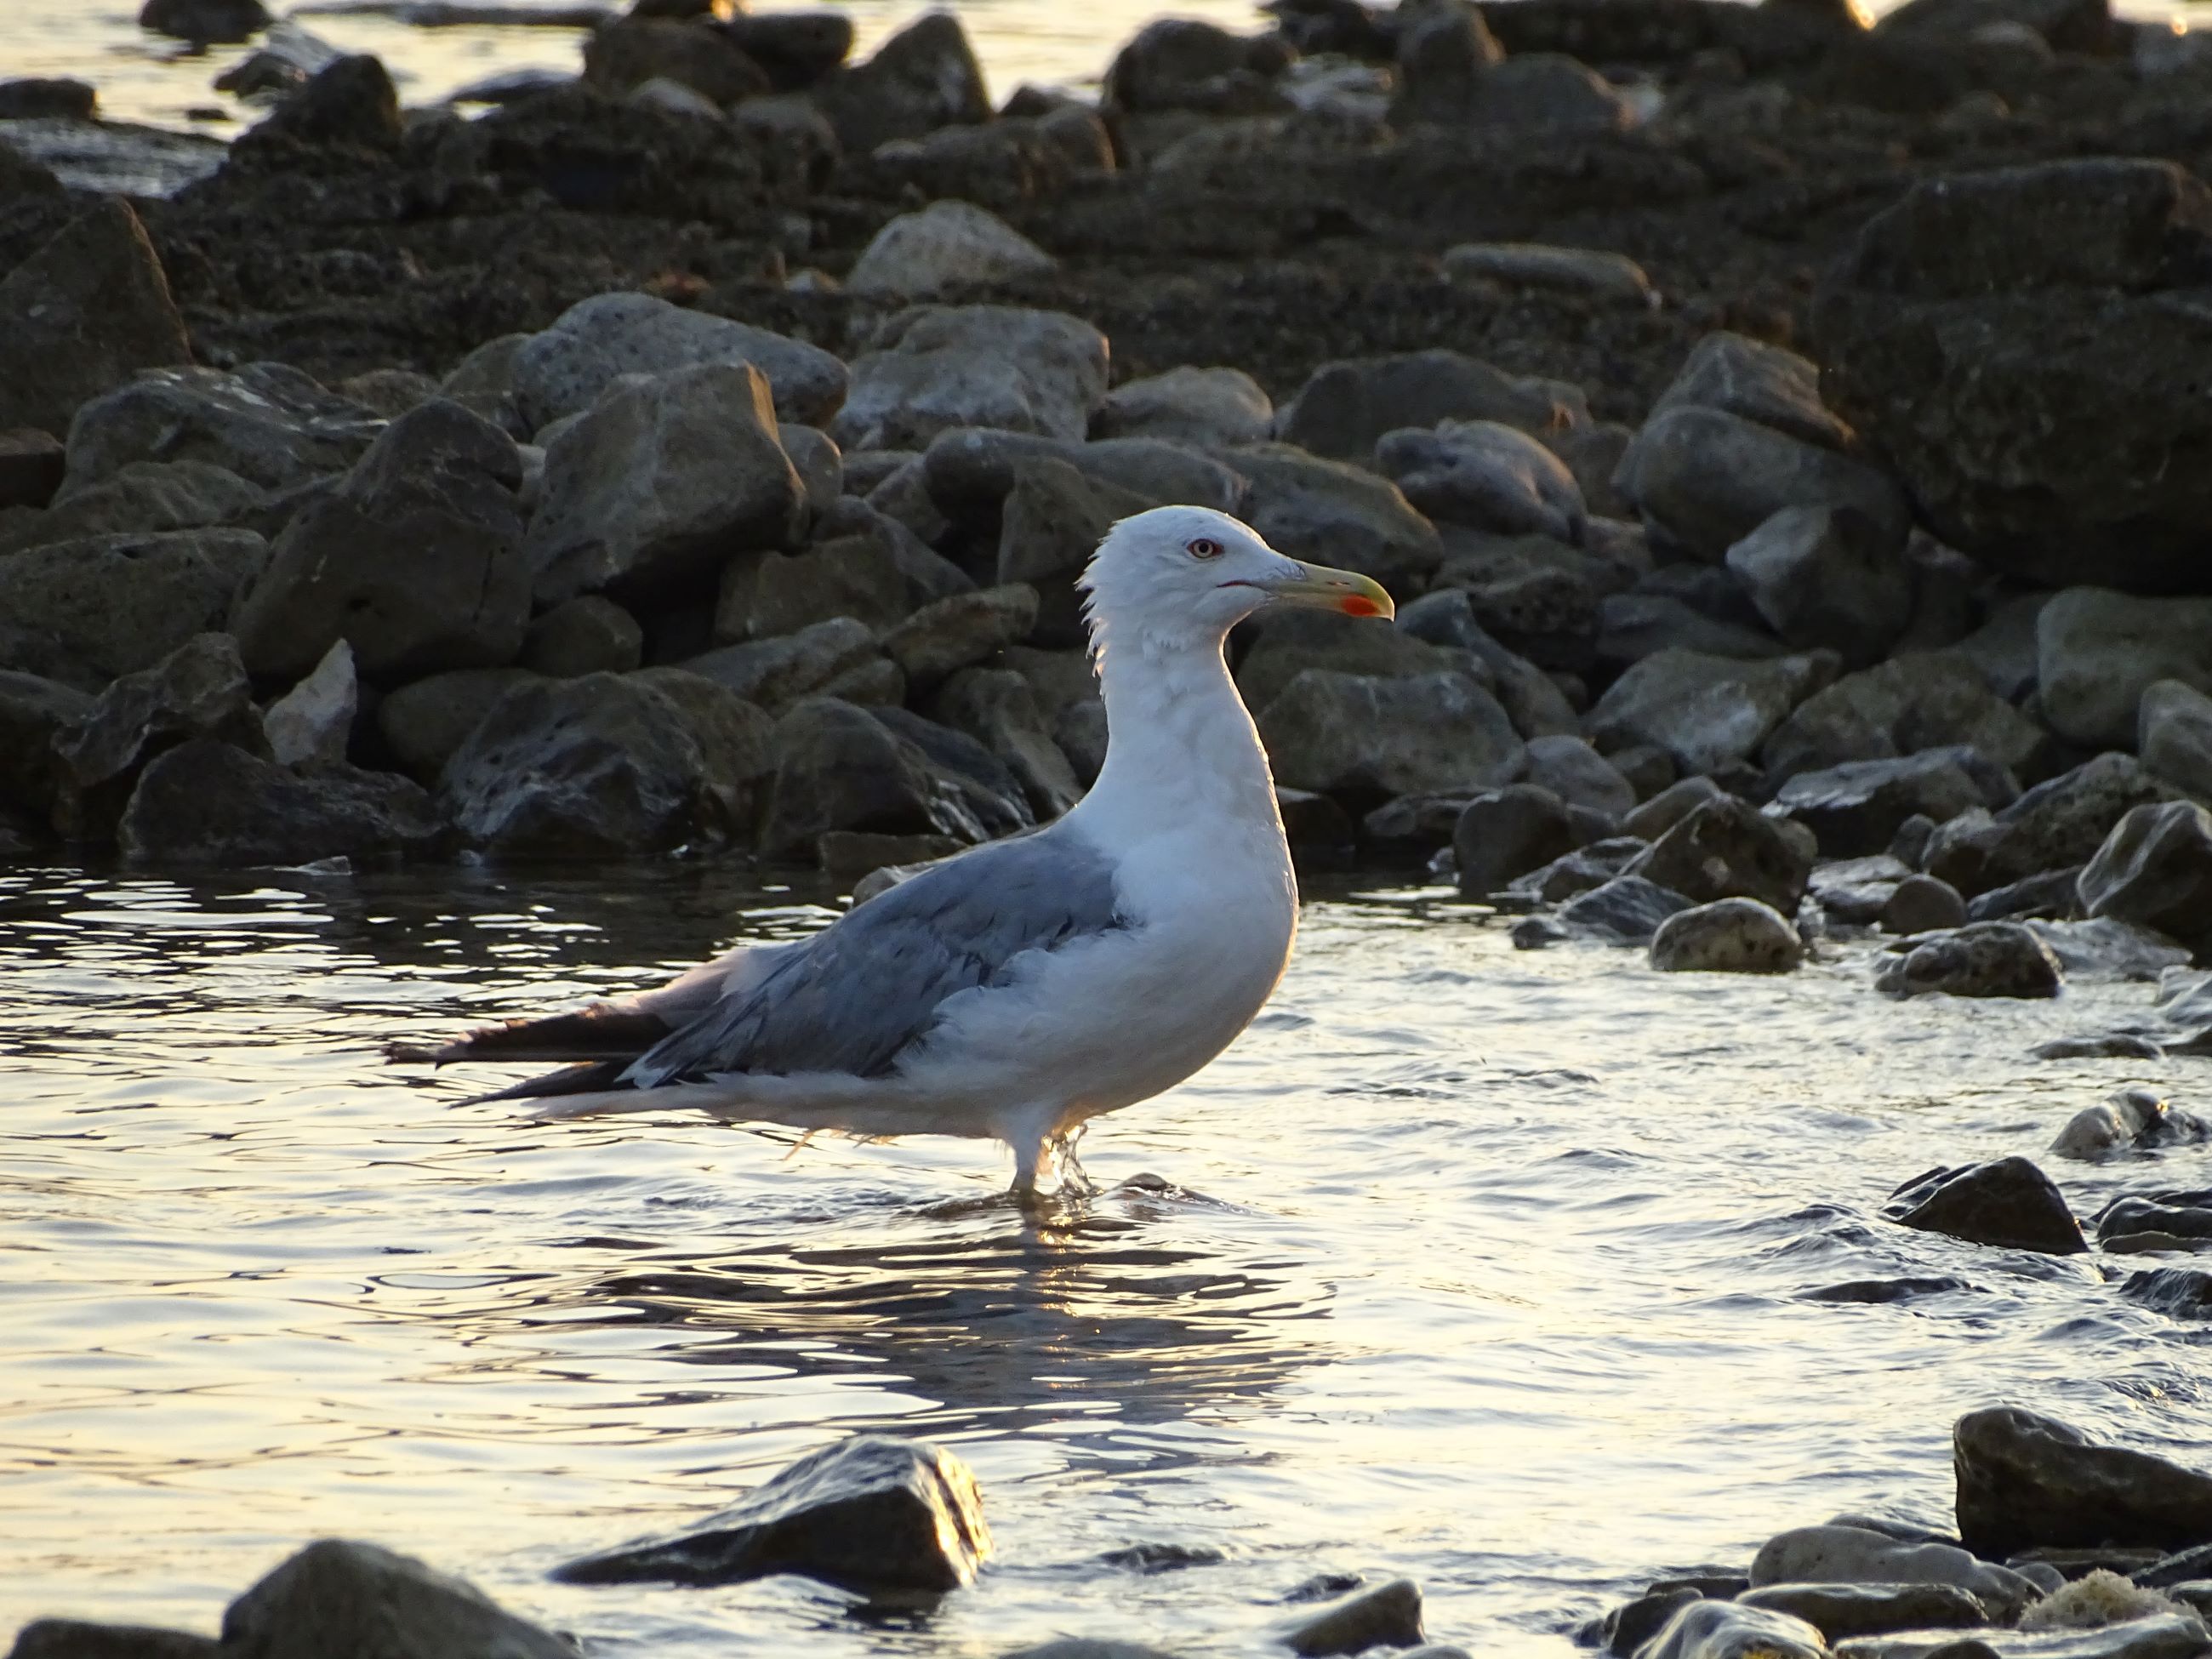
[869,1513]
[2026,1480]
[2007,1202]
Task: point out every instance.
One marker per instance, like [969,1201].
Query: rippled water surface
[1482,1266]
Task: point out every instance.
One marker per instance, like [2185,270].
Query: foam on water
[1485,1266]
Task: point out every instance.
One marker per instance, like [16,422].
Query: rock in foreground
[2007,1202]
[2026,1481]
[867,1513]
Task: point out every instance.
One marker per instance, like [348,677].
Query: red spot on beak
[1358,604]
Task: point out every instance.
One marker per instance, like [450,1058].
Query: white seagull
[1019,989]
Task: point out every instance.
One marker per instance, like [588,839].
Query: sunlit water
[1485,1266]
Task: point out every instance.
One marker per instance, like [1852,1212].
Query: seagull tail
[602,1032]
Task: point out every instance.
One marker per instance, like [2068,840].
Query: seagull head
[1182,577]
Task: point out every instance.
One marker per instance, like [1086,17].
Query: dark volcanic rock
[416,559]
[74,1639]
[343,1600]
[1982,959]
[1725,850]
[2025,1480]
[924,77]
[2156,869]
[198,690]
[2061,821]
[208,22]
[268,423]
[1854,809]
[32,463]
[1627,910]
[2008,1202]
[2020,344]
[205,802]
[116,604]
[1386,1615]
[839,766]
[868,1513]
[81,315]
[34,712]
[1506,832]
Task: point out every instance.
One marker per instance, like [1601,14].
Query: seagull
[1018,989]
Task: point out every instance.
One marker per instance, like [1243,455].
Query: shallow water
[1480,1265]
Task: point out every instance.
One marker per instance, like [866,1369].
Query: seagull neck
[1176,729]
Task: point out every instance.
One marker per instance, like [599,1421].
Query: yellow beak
[1317,588]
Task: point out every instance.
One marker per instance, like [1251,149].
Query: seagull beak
[1317,588]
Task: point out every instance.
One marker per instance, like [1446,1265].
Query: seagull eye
[1205,547]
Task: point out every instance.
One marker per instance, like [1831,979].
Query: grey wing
[854,997]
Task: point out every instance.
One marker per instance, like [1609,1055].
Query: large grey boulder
[1625,910]
[1547,92]
[1843,1554]
[1768,383]
[946,244]
[2022,345]
[1181,63]
[934,367]
[565,369]
[119,603]
[1207,406]
[1703,479]
[923,78]
[1502,834]
[736,740]
[2174,736]
[580,768]
[349,1600]
[2099,651]
[2026,1481]
[1486,475]
[1358,735]
[422,723]
[142,497]
[775,672]
[1052,522]
[940,640]
[1841,1611]
[1285,643]
[1854,809]
[206,802]
[767,595]
[2059,823]
[268,423]
[1828,576]
[2155,870]
[1726,849]
[198,690]
[660,482]
[842,768]
[1706,711]
[1346,406]
[588,635]
[1982,959]
[81,315]
[415,560]
[1338,514]
[1728,936]
[1911,702]
[997,708]
[1577,773]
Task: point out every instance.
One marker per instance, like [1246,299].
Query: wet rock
[1346,406]
[635,51]
[199,689]
[839,766]
[1982,959]
[2061,821]
[1828,576]
[1841,1611]
[32,463]
[1504,834]
[941,639]
[586,636]
[923,78]
[1485,475]
[1855,809]
[1922,904]
[1627,910]
[1705,711]
[944,245]
[1663,810]
[2025,1480]
[1338,514]
[2181,1292]
[602,764]
[81,315]
[1387,1615]
[350,1601]
[869,1512]
[567,369]
[1588,271]
[2106,948]
[268,423]
[1581,870]
[1730,936]
[2007,1202]
[1767,384]
[2155,870]
[1624,1629]
[207,22]
[1223,407]
[1356,734]
[2174,737]
[1711,1629]
[206,802]
[771,673]
[416,559]
[1578,774]
[116,604]
[2055,893]
[424,722]
[2098,652]
[935,368]
[1705,479]
[75,1638]
[660,481]
[735,739]
[1851,1555]
[37,98]
[995,706]
[1911,702]
[1321,833]
[2130,1119]
[2111,1045]
[1854,891]
[2007,339]
[311,724]
[1725,850]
